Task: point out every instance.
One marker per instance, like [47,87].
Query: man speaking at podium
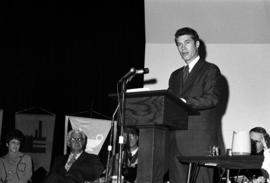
[196,84]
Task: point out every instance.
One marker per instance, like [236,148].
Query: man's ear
[197,43]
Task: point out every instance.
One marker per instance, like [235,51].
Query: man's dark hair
[132,131]
[187,31]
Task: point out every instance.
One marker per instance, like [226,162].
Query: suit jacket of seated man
[87,167]
[130,166]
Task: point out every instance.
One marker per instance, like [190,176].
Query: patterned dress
[15,168]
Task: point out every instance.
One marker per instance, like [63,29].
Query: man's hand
[184,100]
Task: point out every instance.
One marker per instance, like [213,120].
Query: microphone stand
[121,120]
[111,146]
[123,81]
[121,138]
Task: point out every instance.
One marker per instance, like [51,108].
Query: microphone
[142,71]
[132,72]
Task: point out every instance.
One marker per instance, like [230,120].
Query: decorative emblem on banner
[36,143]
[93,143]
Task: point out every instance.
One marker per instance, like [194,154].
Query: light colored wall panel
[246,68]
[216,21]
[237,36]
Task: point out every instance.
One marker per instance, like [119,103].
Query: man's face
[187,47]
[76,142]
[132,139]
[256,139]
[14,145]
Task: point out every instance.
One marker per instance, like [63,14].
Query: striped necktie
[185,73]
[70,162]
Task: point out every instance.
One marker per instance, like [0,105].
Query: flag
[95,129]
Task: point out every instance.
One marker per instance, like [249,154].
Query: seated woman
[258,136]
[15,167]
[260,140]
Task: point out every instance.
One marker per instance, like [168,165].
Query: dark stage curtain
[67,56]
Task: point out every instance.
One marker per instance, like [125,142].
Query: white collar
[77,155]
[134,151]
[192,63]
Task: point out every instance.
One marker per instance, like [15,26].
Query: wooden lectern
[154,113]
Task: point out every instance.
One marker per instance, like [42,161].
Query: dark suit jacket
[201,91]
[130,167]
[86,168]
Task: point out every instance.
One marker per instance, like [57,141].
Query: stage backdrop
[95,129]
[237,38]
[1,122]
[38,127]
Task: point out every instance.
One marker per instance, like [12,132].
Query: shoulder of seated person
[90,154]
[25,156]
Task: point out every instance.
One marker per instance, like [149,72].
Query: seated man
[131,155]
[77,166]
[130,159]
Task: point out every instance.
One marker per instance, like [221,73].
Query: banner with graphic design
[95,129]
[38,128]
